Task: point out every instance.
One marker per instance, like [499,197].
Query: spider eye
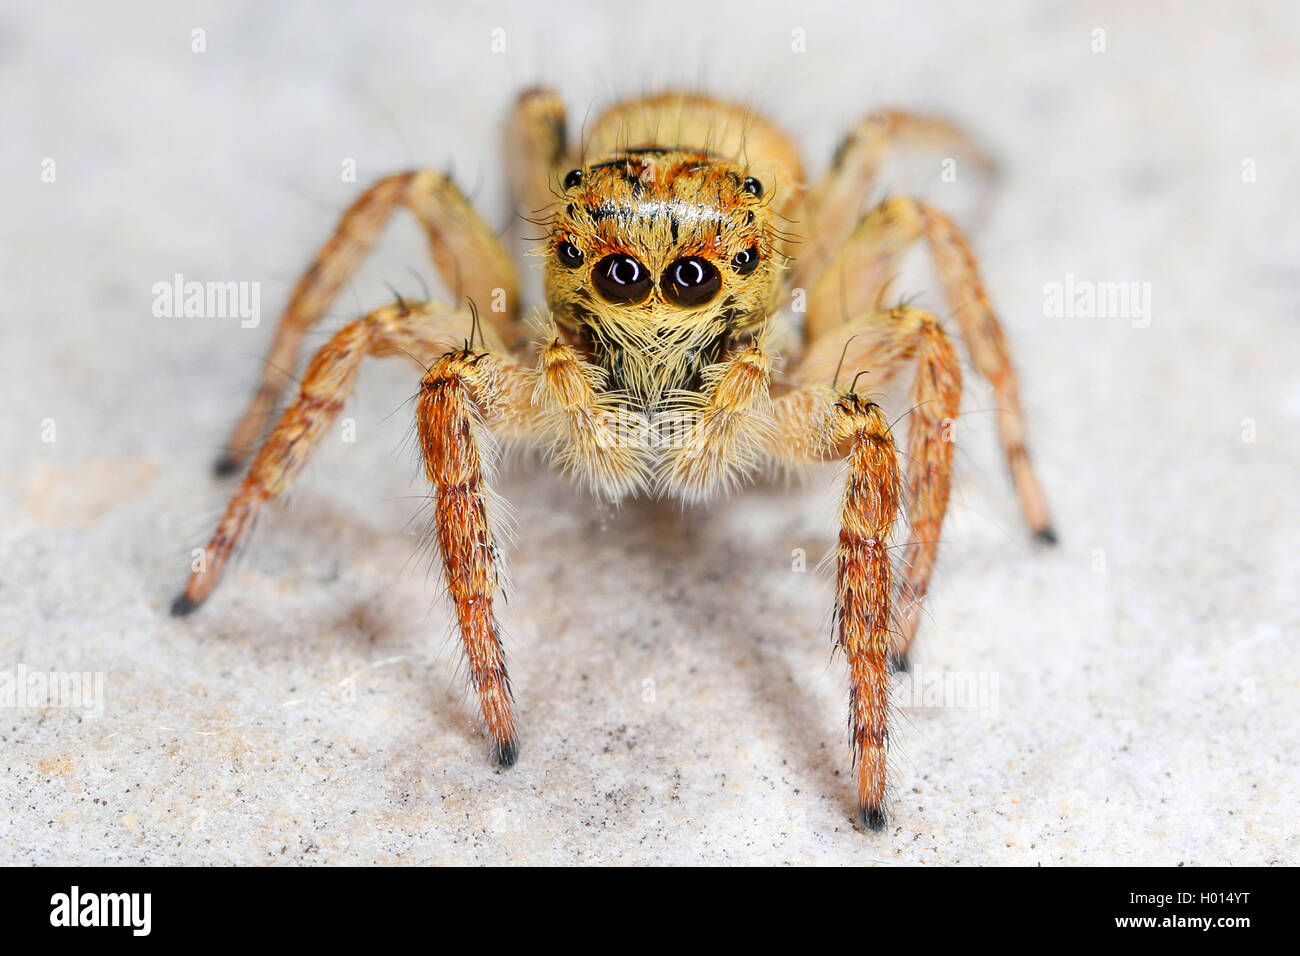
[620,278]
[745,261]
[753,186]
[568,254]
[691,281]
[572,179]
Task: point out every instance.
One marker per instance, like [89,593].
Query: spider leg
[466,253]
[887,343]
[835,202]
[536,151]
[856,280]
[818,422]
[462,395]
[421,331]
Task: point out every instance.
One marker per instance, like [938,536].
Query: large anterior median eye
[620,278]
[691,281]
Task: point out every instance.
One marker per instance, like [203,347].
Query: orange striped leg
[823,422]
[886,344]
[856,280]
[936,402]
[862,595]
[835,203]
[460,395]
[420,331]
[467,254]
[959,273]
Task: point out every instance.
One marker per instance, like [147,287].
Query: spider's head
[657,261]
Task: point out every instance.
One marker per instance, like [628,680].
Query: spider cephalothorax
[666,266]
[660,261]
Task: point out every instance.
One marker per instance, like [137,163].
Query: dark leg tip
[900,664]
[1046,536]
[225,467]
[505,754]
[183,606]
[873,818]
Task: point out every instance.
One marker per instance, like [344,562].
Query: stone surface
[677,694]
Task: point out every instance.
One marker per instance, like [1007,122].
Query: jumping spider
[668,262]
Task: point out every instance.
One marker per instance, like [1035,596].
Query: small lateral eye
[573,178]
[691,281]
[568,254]
[753,186]
[620,278]
[745,261]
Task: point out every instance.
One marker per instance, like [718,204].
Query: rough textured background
[1146,670]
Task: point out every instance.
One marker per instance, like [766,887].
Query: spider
[670,246]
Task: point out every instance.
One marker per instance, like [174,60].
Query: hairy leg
[537,151]
[420,331]
[818,422]
[888,343]
[468,256]
[462,396]
[856,279]
[835,203]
